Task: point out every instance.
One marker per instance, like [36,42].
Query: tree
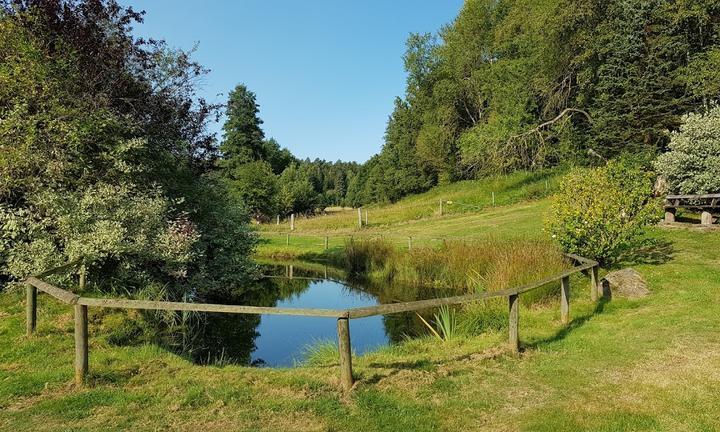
[255,185]
[243,136]
[692,166]
[297,194]
[106,153]
[278,158]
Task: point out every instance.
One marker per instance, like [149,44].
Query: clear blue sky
[325,72]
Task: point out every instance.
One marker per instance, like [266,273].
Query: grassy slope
[517,213]
[650,364]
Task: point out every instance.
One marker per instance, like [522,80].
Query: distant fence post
[594,283]
[346,376]
[30,309]
[514,322]
[493,198]
[81,343]
[326,242]
[359,218]
[565,299]
[277,220]
[287,239]
[292,221]
[409,243]
[83,276]
[366,217]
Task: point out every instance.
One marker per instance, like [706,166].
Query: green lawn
[650,364]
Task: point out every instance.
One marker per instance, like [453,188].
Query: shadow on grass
[652,251]
[572,325]
[490,354]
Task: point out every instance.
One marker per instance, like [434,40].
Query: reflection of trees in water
[230,338]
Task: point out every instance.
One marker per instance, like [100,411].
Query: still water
[282,341]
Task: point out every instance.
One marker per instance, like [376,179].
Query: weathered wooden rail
[707,204]
[81,305]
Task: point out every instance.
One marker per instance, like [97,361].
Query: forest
[523,84]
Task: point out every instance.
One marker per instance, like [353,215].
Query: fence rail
[81,305]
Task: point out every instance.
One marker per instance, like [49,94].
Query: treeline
[268,179]
[522,84]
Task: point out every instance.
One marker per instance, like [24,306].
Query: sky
[325,72]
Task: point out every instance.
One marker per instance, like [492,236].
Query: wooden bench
[707,204]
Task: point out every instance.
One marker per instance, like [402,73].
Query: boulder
[627,283]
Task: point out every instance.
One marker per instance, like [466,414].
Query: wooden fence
[81,305]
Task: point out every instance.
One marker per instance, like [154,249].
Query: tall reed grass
[464,267]
[478,266]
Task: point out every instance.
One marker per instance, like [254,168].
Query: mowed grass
[458,198]
[643,365]
[523,220]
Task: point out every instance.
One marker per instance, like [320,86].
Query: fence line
[81,305]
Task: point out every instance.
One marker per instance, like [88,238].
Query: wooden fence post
[30,309]
[83,276]
[493,198]
[277,220]
[359,218]
[594,283]
[287,239]
[409,243]
[366,217]
[514,323]
[292,221]
[326,242]
[565,299]
[346,376]
[81,343]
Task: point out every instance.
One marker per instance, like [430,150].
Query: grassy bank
[460,198]
[648,364]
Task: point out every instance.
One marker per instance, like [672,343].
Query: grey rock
[628,283]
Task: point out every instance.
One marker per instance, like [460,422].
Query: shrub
[692,166]
[600,212]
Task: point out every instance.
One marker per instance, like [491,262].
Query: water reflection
[277,340]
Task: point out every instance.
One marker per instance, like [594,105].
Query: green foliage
[692,166]
[446,324]
[255,185]
[521,84]
[104,153]
[243,136]
[601,212]
[297,194]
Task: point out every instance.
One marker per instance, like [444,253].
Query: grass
[460,198]
[651,364]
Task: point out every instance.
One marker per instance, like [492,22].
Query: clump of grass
[319,352]
[446,324]
[367,255]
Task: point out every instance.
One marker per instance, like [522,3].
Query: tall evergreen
[242,133]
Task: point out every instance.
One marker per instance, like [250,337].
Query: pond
[282,341]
